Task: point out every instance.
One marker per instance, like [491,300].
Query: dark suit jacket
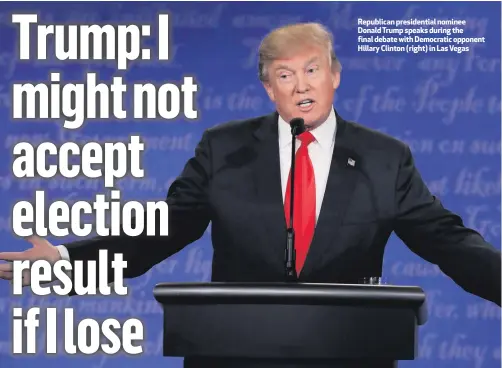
[233,181]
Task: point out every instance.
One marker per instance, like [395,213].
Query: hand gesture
[41,249]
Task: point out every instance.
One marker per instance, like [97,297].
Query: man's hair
[284,41]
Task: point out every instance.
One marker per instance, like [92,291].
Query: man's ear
[335,77]
[269,90]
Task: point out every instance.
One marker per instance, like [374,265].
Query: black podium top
[409,297]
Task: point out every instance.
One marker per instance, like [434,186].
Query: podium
[290,325]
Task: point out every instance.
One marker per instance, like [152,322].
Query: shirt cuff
[65,255]
[63,252]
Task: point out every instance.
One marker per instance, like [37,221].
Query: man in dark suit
[355,186]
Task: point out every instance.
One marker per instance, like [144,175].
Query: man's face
[303,86]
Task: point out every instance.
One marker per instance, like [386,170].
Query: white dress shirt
[320,152]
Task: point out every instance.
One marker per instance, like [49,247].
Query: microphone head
[297,126]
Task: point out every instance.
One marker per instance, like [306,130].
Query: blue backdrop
[445,106]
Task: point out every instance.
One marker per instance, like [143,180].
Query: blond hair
[284,41]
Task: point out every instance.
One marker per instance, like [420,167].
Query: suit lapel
[339,188]
[267,180]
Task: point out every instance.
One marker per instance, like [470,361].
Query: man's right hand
[41,249]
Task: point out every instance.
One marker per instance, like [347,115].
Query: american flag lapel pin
[351,162]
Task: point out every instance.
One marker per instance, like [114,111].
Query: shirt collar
[324,133]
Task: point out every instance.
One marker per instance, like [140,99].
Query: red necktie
[305,200]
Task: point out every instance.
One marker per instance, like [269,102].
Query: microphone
[297,128]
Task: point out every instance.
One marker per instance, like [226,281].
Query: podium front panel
[290,331]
